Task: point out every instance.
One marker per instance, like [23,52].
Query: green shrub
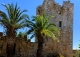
[61,55]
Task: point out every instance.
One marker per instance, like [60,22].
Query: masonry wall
[63,14]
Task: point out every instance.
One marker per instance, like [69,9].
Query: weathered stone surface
[63,14]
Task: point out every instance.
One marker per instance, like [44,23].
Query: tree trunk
[40,45]
[10,42]
[10,48]
[11,33]
[39,50]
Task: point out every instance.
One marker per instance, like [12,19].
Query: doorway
[11,50]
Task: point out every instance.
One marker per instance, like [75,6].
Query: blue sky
[31,5]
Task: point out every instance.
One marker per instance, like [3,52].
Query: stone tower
[63,18]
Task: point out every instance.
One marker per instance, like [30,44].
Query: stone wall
[23,47]
[63,14]
[2,45]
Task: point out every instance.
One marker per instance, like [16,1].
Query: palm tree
[41,27]
[13,20]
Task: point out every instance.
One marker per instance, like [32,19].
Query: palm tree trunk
[11,33]
[11,41]
[40,45]
[39,50]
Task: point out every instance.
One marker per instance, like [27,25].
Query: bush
[60,55]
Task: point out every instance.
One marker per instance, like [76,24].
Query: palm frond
[43,27]
[50,34]
[4,19]
[32,36]
[47,32]
[30,30]
[54,29]
[14,19]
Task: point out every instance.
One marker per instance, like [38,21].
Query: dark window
[60,23]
